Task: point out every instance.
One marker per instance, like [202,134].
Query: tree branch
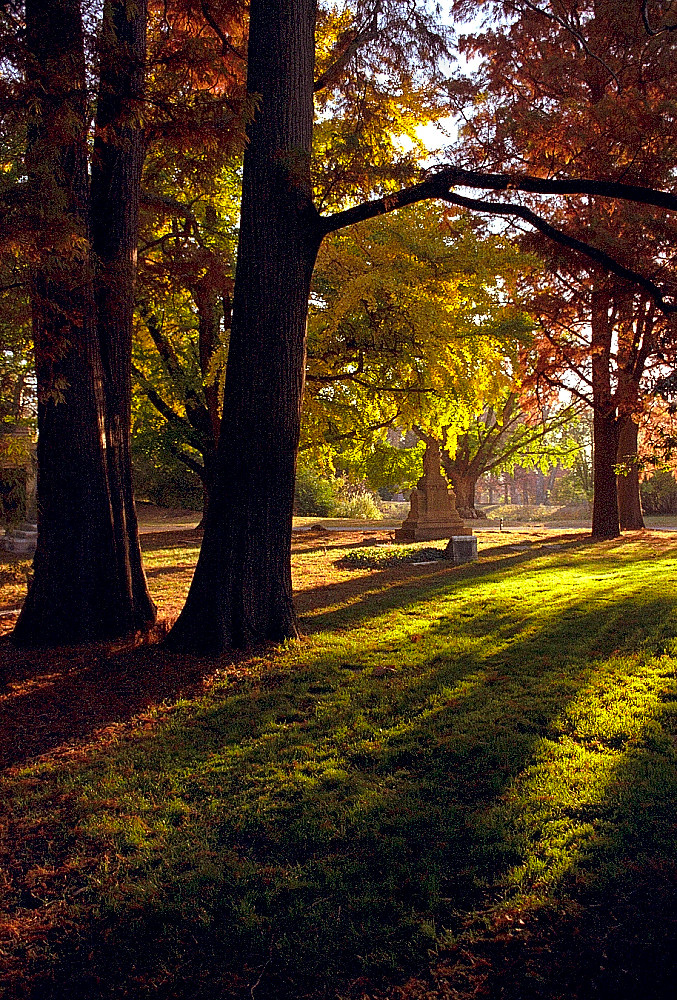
[654,31]
[189,461]
[333,72]
[164,409]
[593,253]
[220,34]
[438,184]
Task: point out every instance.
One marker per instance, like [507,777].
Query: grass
[460,782]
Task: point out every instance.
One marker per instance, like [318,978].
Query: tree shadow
[409,583]
[151,541]
[64,697]
[608,928]
[329,818]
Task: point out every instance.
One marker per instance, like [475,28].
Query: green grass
[444,764]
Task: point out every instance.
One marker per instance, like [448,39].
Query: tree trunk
[119,152]
[627,486]
[207,302]
[605,426]
[464,484]
[76,593]
[241,592]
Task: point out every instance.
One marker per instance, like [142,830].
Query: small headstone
[462,549]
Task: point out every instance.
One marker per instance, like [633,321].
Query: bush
[357,499]
[659,494]
[341,496]
[12,495]
[169,485]
[363,507]
[388,556]
[314,493]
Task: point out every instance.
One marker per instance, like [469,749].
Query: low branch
[188,461]
[370,428]
[166,411]
[438,184]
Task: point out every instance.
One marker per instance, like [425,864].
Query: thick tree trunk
[464,484]
[119,152]
[605,425]
[241,592]
[627,486]
[76,593]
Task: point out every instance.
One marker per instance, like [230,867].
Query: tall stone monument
[432,511]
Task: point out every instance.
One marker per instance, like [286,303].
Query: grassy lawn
[460,782]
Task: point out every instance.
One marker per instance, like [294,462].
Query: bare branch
[438,184]
[333,72]
[593,253]
[647,24]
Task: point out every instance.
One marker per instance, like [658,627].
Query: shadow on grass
[607,927]
[408,583]
[189,538]
[314,831]
[57,698]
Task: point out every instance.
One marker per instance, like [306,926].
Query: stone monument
[432,512]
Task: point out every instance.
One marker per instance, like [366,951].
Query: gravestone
[461,549]
[432,513]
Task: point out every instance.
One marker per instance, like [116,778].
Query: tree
[241,591]
[87,583]
[573,89]
[411,319]
[501,439]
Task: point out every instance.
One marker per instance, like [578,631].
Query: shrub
[12,495]
[363,506]
[387,556]
[167,485]
[340,496]
[314,493]
[357,499]
[659,493]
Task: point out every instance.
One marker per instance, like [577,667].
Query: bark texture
[627,486]
[605,523]
[119,152]
[241,592]
[76,593]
